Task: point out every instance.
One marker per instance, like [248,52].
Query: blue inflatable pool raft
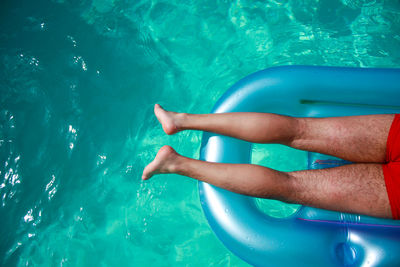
[310,237]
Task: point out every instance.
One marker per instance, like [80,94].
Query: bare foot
[164,162]
[169,120]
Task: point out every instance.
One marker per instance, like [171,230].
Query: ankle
[181,120]
[174,164]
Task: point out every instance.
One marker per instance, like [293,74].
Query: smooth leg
[250,126]
[353,138]
[356,188]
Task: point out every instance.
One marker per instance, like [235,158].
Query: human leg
[249,126]
[354,138]
[356,188]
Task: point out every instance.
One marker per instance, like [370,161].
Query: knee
[288,188]
[298,130]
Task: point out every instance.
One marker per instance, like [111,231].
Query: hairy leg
[354,138]
[356,188]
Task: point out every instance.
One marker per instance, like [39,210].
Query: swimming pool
[78,81]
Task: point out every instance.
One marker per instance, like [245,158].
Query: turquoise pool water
[78,81]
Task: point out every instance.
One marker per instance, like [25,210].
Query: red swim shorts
[391,170]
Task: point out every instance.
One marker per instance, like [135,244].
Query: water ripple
[78,80]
